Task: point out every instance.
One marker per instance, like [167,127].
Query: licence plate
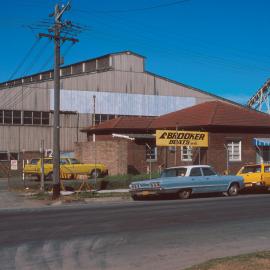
[146,193]
[248,185]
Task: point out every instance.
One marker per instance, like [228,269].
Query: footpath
[22,200]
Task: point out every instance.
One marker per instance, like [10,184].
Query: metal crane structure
[260,101]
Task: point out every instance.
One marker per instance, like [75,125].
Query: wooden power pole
[57,27]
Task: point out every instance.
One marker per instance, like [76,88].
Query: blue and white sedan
[186,180]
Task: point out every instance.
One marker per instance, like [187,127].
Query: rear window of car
[174,172]
[208,171]
[251,169]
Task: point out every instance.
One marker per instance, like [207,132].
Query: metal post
[42,166]
[150,160]
[175,147]
[23,163]
[95,158]
[94,110]
[56,122]
[94,139]
[9,169]
[227,159]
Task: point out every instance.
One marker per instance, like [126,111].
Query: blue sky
[218,46]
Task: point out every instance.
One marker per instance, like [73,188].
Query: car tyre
[233,190]
[184,194]
[49,176]
[135,197]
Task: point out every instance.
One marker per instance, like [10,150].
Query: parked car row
[186,180]
[183,181]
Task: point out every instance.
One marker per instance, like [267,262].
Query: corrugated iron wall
[113,79]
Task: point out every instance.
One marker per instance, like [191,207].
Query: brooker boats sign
[181,138]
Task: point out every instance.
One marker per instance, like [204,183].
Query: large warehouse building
[121,87]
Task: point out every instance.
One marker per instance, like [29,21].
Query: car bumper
[149,192]
[254,184]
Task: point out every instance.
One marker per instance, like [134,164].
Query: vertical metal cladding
[121,103]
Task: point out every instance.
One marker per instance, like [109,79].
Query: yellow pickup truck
[69,167]
[256,175]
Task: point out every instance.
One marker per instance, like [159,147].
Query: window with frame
[7,117]
[14,155]
[97,119]
[1,117]
[17,117]
[45,118]
[234,150]
[3,156]
[28,118]
[36,118]
[186,153]
[151,153]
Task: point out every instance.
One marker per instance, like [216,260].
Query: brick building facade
[232,129]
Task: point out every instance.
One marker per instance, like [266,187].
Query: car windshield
[48,161]
[34,161]
[174,172]
[74,161]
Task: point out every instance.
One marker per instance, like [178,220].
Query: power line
[135,9]
[24,59]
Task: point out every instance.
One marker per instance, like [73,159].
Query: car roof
[189,166]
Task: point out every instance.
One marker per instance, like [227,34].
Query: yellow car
[68,168]
[256,175]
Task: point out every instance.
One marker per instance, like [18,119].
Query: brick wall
[112,153]
[122,156]
[215,154]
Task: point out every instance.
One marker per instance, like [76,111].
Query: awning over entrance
[261,141]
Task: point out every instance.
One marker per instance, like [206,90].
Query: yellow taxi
[255,175]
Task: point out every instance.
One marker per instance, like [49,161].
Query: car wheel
[95,173]
[135,197]
[233,190]
[49,176]
[184,194]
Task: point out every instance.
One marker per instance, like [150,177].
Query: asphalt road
[134,235]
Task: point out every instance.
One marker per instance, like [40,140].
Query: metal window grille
[151,153]
[186,153]
[28,118]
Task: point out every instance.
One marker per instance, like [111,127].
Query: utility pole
[58,25]
[42,166]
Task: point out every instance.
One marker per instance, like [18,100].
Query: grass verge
[252,261]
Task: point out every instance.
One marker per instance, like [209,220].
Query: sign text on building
[181,138]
